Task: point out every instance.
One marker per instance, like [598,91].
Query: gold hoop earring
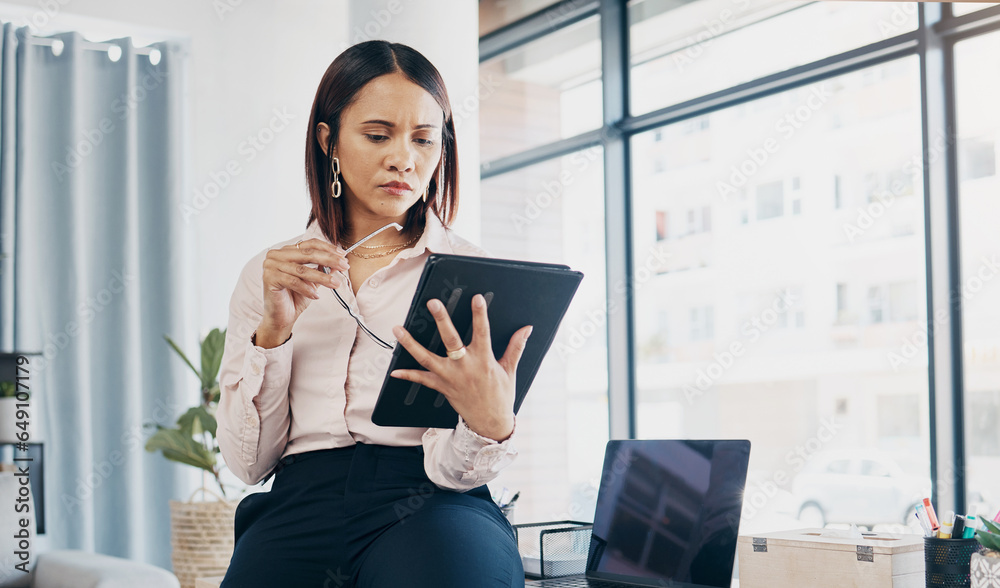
[439,189]
[335,169]
[424,195]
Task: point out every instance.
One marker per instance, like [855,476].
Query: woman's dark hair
[348,73]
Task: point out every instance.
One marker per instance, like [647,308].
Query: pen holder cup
[553,549]
[946,562]
[508,511]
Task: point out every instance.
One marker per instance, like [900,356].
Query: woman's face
[389,148]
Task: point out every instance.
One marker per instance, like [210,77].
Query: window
[759,285]
[885,185]
[977,74]
[541,92]
[662,225]
[770,200]
[681,50]
[962,8]
[790,315]
[977,158]
[553,212]
[702,323]
[904,301]
[984,420]
[841,302]
[699,220]
[739,113]
[876,304]
[899,415]
[494,14]
[897,302]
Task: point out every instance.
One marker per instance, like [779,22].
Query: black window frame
[933,42]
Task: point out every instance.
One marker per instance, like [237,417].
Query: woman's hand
[290,285]
[479,388]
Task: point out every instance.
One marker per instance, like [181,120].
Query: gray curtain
[92,276]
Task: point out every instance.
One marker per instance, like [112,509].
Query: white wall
[249,61]
[244,65]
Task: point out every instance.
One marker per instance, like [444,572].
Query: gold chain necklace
[394,248]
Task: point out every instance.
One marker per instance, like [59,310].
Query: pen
[958,530]
[947,523]
[514,499]
[971,523]
[931,517]
[923,526]
[921,515]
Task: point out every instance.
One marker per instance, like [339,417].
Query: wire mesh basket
[946,562]
[553,549]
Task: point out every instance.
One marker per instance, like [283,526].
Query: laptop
[668,514]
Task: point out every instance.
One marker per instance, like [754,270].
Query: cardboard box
[805,557]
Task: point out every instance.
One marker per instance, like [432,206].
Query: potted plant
[201,532]
[192,441]
[8,413]
[985,565]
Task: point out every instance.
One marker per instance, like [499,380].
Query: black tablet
[518,293]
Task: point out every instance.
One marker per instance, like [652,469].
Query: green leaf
[990,525]
[206,421]
[181,448]
[211,357]
[181,353]
[988,540]
[216,394]
[186,423]
[196,421]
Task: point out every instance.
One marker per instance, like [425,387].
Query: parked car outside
[862,487]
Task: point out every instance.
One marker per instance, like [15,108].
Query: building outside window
[789,219]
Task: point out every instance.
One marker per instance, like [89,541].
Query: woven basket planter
[201,537]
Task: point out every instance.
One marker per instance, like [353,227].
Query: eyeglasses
[378,340]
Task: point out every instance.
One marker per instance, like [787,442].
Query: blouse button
[373,282]
[256,370]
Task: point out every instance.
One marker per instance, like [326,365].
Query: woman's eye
[376,138]
[425,142]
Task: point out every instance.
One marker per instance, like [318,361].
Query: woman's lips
[396,188]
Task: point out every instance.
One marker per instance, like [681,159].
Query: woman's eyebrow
[386,123]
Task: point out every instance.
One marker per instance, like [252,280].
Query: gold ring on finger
[297,245]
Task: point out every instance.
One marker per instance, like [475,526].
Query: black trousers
[367,516]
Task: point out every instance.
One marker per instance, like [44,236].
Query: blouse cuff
[258,358]
[481,453]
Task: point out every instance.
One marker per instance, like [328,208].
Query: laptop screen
[668,512]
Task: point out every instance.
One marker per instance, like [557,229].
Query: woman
[352,503]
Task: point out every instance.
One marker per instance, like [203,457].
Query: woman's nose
[400,156]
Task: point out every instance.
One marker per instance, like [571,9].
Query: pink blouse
[318,389]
